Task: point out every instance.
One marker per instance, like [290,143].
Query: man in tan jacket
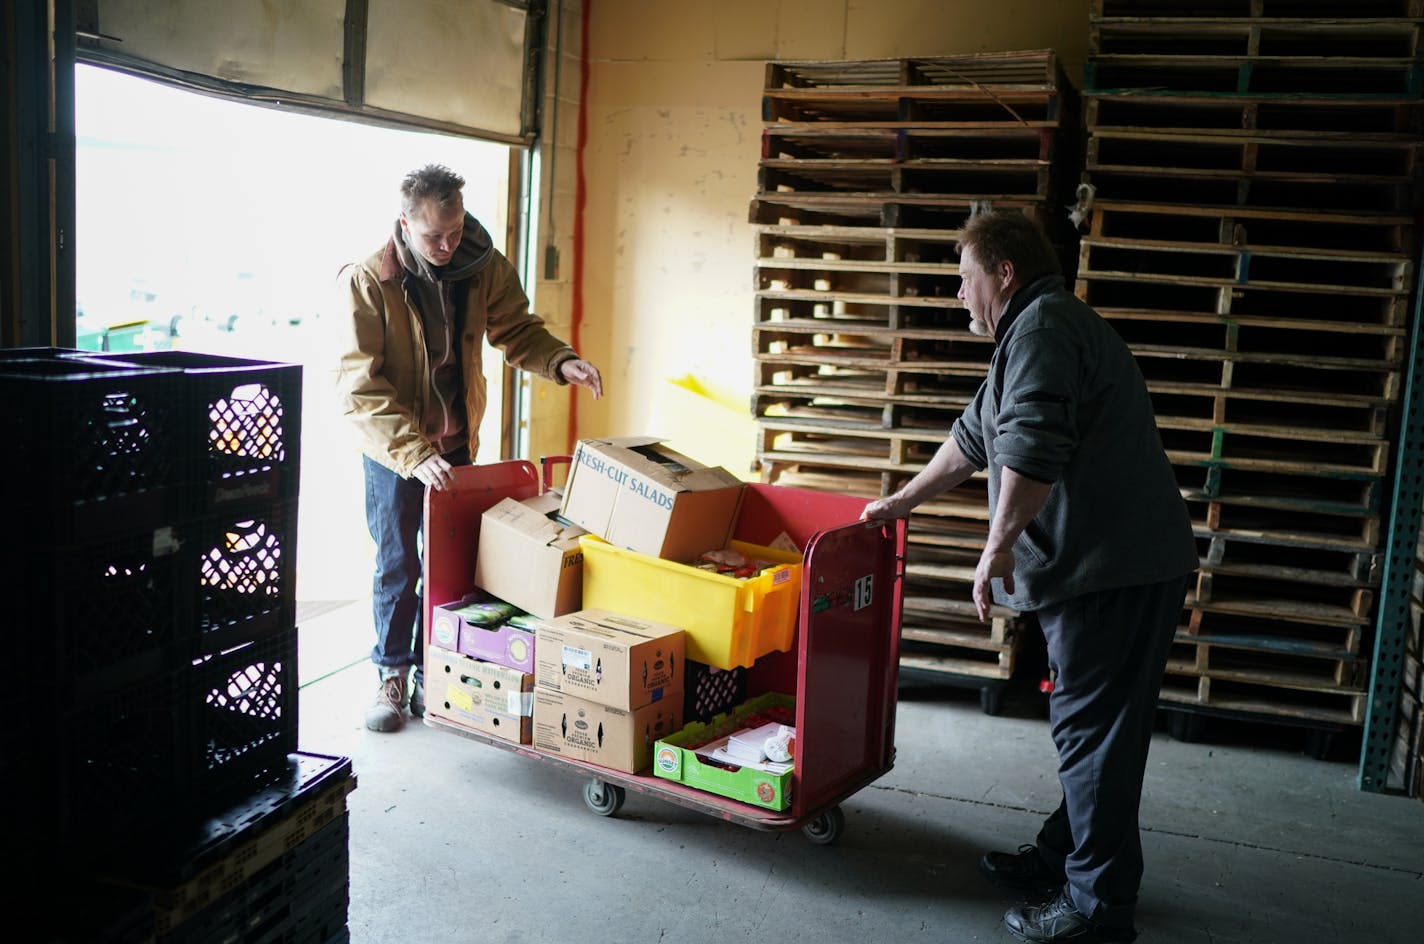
[411,379]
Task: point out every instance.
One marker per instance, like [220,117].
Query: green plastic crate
[673,761]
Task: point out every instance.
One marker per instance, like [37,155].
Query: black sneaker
[1023,870]
[417,698]
[1060,920]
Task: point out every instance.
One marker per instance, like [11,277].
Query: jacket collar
[391,267]
[1021,300]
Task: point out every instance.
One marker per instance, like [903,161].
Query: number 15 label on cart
[862,592]
[857,596]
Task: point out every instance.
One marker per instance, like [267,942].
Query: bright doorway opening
[218,227]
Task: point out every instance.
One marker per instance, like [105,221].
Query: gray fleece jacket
[1065,403]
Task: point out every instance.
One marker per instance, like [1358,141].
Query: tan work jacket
[383,378]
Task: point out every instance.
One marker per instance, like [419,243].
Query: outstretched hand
[581,373]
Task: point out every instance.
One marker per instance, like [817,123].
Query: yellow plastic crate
[729,622]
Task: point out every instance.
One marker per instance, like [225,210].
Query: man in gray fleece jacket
[1089,531]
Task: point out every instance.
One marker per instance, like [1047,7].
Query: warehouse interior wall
[674,117]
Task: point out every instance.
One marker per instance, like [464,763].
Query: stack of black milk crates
[150,582]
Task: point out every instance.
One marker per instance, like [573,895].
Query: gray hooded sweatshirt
[1065,403]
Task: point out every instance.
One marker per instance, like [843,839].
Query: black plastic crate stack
[153,586]
[863,353]
[273,868]
[1255,166]
[94,452]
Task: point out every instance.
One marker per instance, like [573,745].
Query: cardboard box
[598,734]
[481,696]
[636,493]
[503,645]
[528,558]
[609,658]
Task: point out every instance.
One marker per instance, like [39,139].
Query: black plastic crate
[29,788]
[244,705]
[243,567]
[61,909]
[126,768]
[709,691]
[41,353]
[113,612]
[234,843]
[301,896]
[95,449]
[140,767]
[242,426]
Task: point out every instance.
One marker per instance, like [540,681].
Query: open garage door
[461,66]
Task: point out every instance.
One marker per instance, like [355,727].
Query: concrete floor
[455,840]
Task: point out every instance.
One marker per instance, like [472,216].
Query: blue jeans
[395,510]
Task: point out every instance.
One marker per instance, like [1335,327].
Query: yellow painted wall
[674,119]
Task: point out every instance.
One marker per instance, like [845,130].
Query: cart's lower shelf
[820,825]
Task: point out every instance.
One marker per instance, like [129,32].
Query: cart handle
[547,464]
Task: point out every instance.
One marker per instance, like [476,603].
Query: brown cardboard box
[610,737]
[609,658]
[481,696]
[636,493]
[529,559]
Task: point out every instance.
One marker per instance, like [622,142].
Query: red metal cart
[842,668]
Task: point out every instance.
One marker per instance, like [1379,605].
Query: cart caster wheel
[605,799]
[990,699]
[826,828]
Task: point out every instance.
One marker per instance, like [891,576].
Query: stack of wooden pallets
[863,353]
[1255,166]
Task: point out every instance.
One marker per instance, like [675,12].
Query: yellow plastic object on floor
[729,622]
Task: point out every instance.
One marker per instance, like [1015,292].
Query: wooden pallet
[835,359]
[991,144]
[1299,666]
[942,392]
[941,211]
[1256,9]
[1262,589]
[942,655]
[1303,38]
[1293,624]
[1339,272]
[1367,120]
[1325,565]
[1271,449]
[1287,526]
[1281,228]
[1347,414]
[1306,156]
[977,73]
[1248,375]
[1013,87]
[1248,694]
[868,242]
[1256,191]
